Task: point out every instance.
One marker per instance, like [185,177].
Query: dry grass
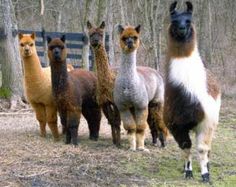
[29,160]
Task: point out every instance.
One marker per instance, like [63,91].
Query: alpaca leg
[41,117]
[73,119]
[117,122]
[63,118]
[51,113]
[183,139]
[141,121]
[130,126]
[113,116]
[93,117]
[156,123]
[204,139]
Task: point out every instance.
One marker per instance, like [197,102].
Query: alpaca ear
[63,38]
[120,29]
[102,26]
[33,36]
[189,7]
[49,39]
[89,25]
[138,28]
[20,35]
[172,8]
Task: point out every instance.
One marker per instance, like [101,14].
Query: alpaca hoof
[144,150]
[43,135]
[155,144]
[56,139]
[188,174]
[206,178]
[93,138]
[132,149]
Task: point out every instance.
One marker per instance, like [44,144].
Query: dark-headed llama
[137,88]
[192,94]
[74,92]
[37,85]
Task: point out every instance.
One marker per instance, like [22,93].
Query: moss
[5,93]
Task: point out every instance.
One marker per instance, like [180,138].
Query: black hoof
[206,178]
[93,138]
[188,174]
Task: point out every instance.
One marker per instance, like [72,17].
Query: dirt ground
[26,159]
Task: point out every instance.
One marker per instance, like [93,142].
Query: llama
[135,89]
[74,92]
[37,86]
[106,78]
[192,94]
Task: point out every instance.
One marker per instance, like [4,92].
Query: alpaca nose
[129,43]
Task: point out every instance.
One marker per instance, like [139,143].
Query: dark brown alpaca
[106,78]
[74,92]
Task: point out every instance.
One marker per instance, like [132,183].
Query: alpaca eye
[51,47]
[135,38]
[31,45]
[22,45]
[62,47]
[124,39]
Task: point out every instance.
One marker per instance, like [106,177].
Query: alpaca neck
[59,77]
[128,65]
[102,64]
[32,69]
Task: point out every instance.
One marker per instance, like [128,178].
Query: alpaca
[74,92]
[135,89]
[106,78]
[37,86]
[192,94]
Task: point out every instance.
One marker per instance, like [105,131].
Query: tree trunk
[10,57]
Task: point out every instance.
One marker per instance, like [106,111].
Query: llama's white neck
[189,72]
[128,64]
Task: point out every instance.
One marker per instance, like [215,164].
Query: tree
[10,57]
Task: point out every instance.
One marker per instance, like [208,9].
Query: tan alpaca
[37,85]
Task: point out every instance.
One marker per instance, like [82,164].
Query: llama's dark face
[96,35]
[181,28]
[129,38]
[56,49]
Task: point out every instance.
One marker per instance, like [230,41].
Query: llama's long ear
[89,25]
[49,39]
[63,38]
[172,8]
[33,36]
[189,7]
[20,35]
[102,26]
[120,29]
[138,28]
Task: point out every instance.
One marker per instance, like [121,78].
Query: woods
[215,22]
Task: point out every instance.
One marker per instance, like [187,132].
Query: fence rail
[75,43]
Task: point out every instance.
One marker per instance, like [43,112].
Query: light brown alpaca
[37,85]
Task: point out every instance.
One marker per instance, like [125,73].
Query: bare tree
[10,58]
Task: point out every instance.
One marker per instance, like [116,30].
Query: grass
[28,160]
[5,93]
